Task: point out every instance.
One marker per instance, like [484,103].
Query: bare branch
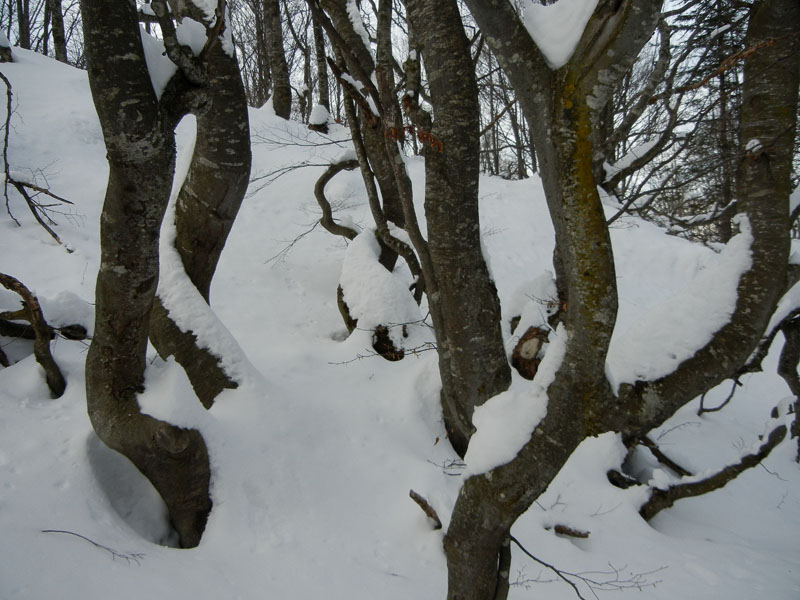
[429,511]
[319,193]
[41,345]
[24,188]
[661,499]
[132,557]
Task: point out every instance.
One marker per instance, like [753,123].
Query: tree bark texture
[24,24]
[207,203]
[562,107]
[281,89]
[57,27]
[472,357]
[141,155]
[323,91]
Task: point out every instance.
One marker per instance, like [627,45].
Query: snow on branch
[698,485]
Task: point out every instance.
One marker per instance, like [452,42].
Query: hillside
[314,456]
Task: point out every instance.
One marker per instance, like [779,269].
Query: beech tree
[563,104]
[138,127]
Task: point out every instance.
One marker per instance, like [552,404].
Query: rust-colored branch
[426,508]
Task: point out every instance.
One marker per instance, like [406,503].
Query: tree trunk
[766,132]
[57,27]
[141,155]
[360,63]
[580,402]
[207,205]
[281,89]
[24,24]
[323,93]
[472,358]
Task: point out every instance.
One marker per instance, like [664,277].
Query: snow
[180,298]
[719,30]
[373,295]
[557,28]
[626,161]
[787,304]
[506,422]
[160,67]
[753,145]
[701,308]
[191,33]
[319,115]
[314,454]
[208,7]
[358,25]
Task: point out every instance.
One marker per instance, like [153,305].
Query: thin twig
[130,557]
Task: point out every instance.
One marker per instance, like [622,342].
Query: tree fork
[141,154]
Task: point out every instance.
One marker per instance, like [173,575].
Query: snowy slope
[314,456]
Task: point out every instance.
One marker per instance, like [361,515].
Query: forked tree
[138,127]
[563,105]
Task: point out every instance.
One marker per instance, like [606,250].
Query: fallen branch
[426,508]
[570,531]
[26,332]
[41,345]
[663,458]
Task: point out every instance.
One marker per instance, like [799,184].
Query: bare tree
[138,127]
[563,105]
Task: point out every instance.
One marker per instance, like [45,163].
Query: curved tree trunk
[141,156]
[766,132]
[206,208]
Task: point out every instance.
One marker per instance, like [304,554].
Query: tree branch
[41,345]
[661,499]
[319,193]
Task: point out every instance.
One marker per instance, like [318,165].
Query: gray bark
[768,114]
[206,208]
[281,89]
[57,28]
[360,64]
[465,310]
[562,107]
[323,91]
[141,156]
[24,24]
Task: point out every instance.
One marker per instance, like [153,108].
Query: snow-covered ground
[314,456]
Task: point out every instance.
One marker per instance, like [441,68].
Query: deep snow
[314,455]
